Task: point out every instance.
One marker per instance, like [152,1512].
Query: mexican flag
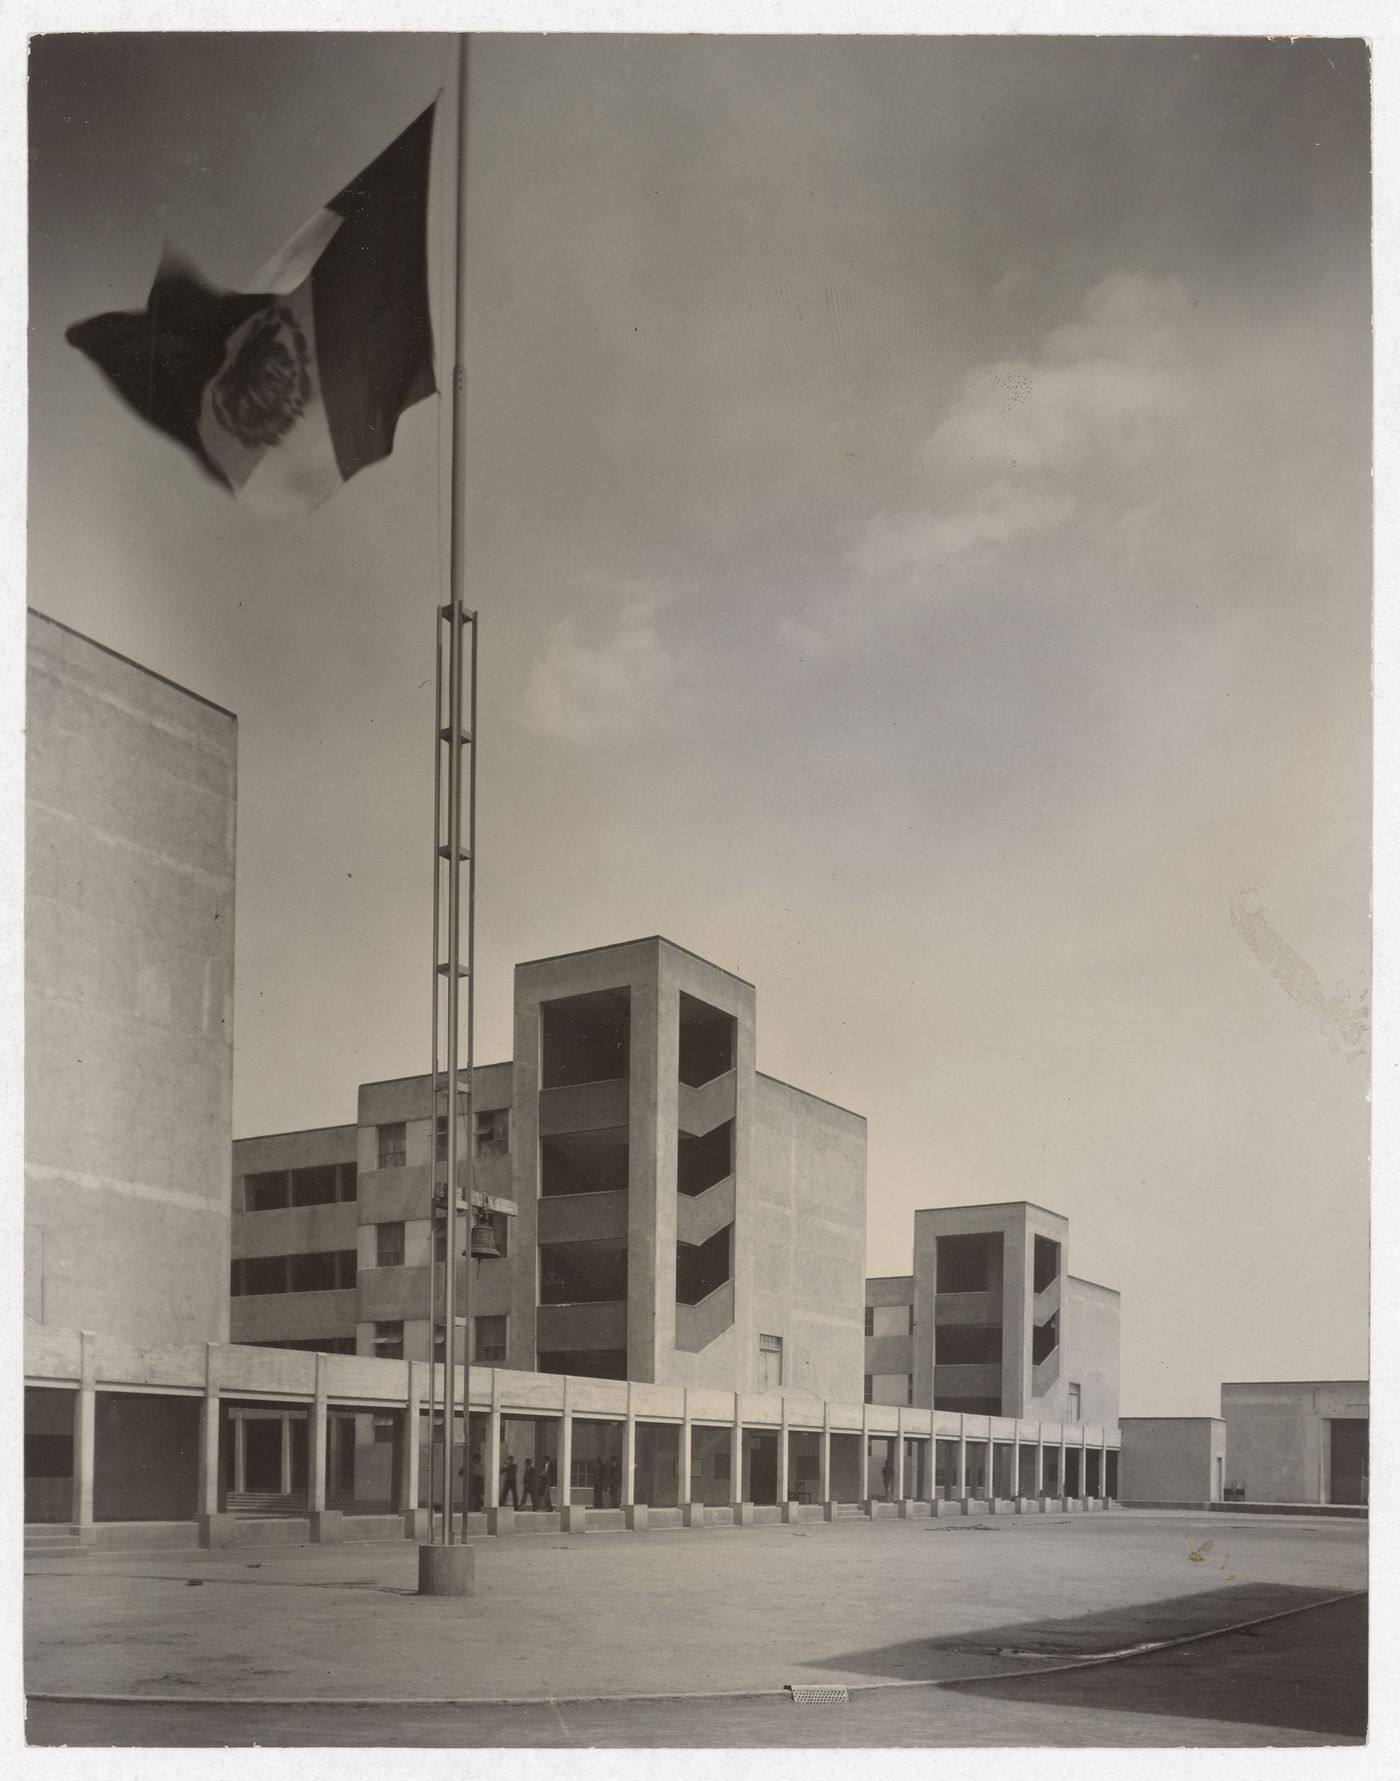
[284,394]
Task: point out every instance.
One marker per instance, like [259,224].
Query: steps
[50,1538]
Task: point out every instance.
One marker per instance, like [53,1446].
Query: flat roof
[990,1206]
[304,1131]
[424,1075]
[131,662]
[1226,1383]
[581,952]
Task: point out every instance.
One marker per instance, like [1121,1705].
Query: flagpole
[443,1570]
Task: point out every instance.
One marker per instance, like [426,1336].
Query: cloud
[609,675]
[1026,446]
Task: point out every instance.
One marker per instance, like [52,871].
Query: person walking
[529,1486]
[887,1473]
[508,1483]
[615,1481]
[544,1485]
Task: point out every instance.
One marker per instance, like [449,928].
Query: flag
[283,394]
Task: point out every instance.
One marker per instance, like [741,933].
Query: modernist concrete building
[1297,1442]
[991,1321]
[129,1036]
[680,1218]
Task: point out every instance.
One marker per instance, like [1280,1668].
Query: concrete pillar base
[1021,1505]
[1086,1503]
[791,1512]
[326,1529]
[216,1531]
[906,1508]
[415,1524]
[635,1515]
[995,1506]
[743,1514]
[692,1515]
[1042,1503]
[500,1521]
[446,1570]
[829,1511]
[941,1506]
[573,1519]
[966,1505]
[1068,1503]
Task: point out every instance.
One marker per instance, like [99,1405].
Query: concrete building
[991,1322]
[1173,1461]
[680,1218]
[129,1028]
[1297,1442]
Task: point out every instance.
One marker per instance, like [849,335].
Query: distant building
[1297,1442]
[991,1323]
[679,1217]
[1173,1461]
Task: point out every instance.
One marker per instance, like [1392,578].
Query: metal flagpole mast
[456,733]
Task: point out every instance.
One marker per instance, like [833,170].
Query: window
[440,1137]
[909,1399]
[490,1339]
[493,1132]
[869,1387]
[385,1426]
[1075,1402]
[967,1345]
[889,1320]
[265,1192]
[349,1181]
[770,1362]
[393,1146]
[313,1273]
[965,1263]
[345,1263]
[314,1187]
[388,1251]
[264,1273]
[388,1341]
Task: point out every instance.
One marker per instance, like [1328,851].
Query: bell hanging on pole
[484,1245]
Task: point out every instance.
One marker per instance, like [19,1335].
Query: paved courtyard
[725,1612]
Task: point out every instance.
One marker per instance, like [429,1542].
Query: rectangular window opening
[393,1145]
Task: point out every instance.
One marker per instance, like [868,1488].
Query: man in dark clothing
[887,1473]
[615,1480]
[544,1485]
[508,1486]
[529,1487]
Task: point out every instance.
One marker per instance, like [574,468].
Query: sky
[919,512]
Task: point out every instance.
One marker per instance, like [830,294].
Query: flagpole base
[446,1570]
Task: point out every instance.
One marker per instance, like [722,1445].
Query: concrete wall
[1171,1459]
[129,996]
[1090,1340]
[1279,1439]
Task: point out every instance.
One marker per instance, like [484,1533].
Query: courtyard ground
[565,1638]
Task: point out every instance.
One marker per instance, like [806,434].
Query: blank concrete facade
[1175,1461]
[1297,1441]
[991,1322]
[680,1218]
[129,996]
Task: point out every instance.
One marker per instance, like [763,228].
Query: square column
[1016,1463]
[899,1455]
[629,1454]
[962,1456]
[824,1457]
[85,1437]
[736,1458]
[208,1486]
[783,1458]
[1064,1449]
[865,1453]
[1040,1459]
[492,1456]
[1084,1463]
[1103,1464]
[683,1462]
[316,1442]
[566,1447]
[408,1457]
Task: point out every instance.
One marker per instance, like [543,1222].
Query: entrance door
[262,1453]
[1350,1443]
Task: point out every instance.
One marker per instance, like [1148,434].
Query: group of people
[534,1491]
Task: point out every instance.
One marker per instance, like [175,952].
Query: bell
[484,1247]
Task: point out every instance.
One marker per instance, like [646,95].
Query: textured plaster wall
[1170,1459]
[1279,1442]
[129,996]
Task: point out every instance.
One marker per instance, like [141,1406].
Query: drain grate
[806,1694]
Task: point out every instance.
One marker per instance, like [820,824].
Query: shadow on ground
[1027,1645]
[1305,1673]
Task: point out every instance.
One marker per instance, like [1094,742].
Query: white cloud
[1026,445]
[611,675]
